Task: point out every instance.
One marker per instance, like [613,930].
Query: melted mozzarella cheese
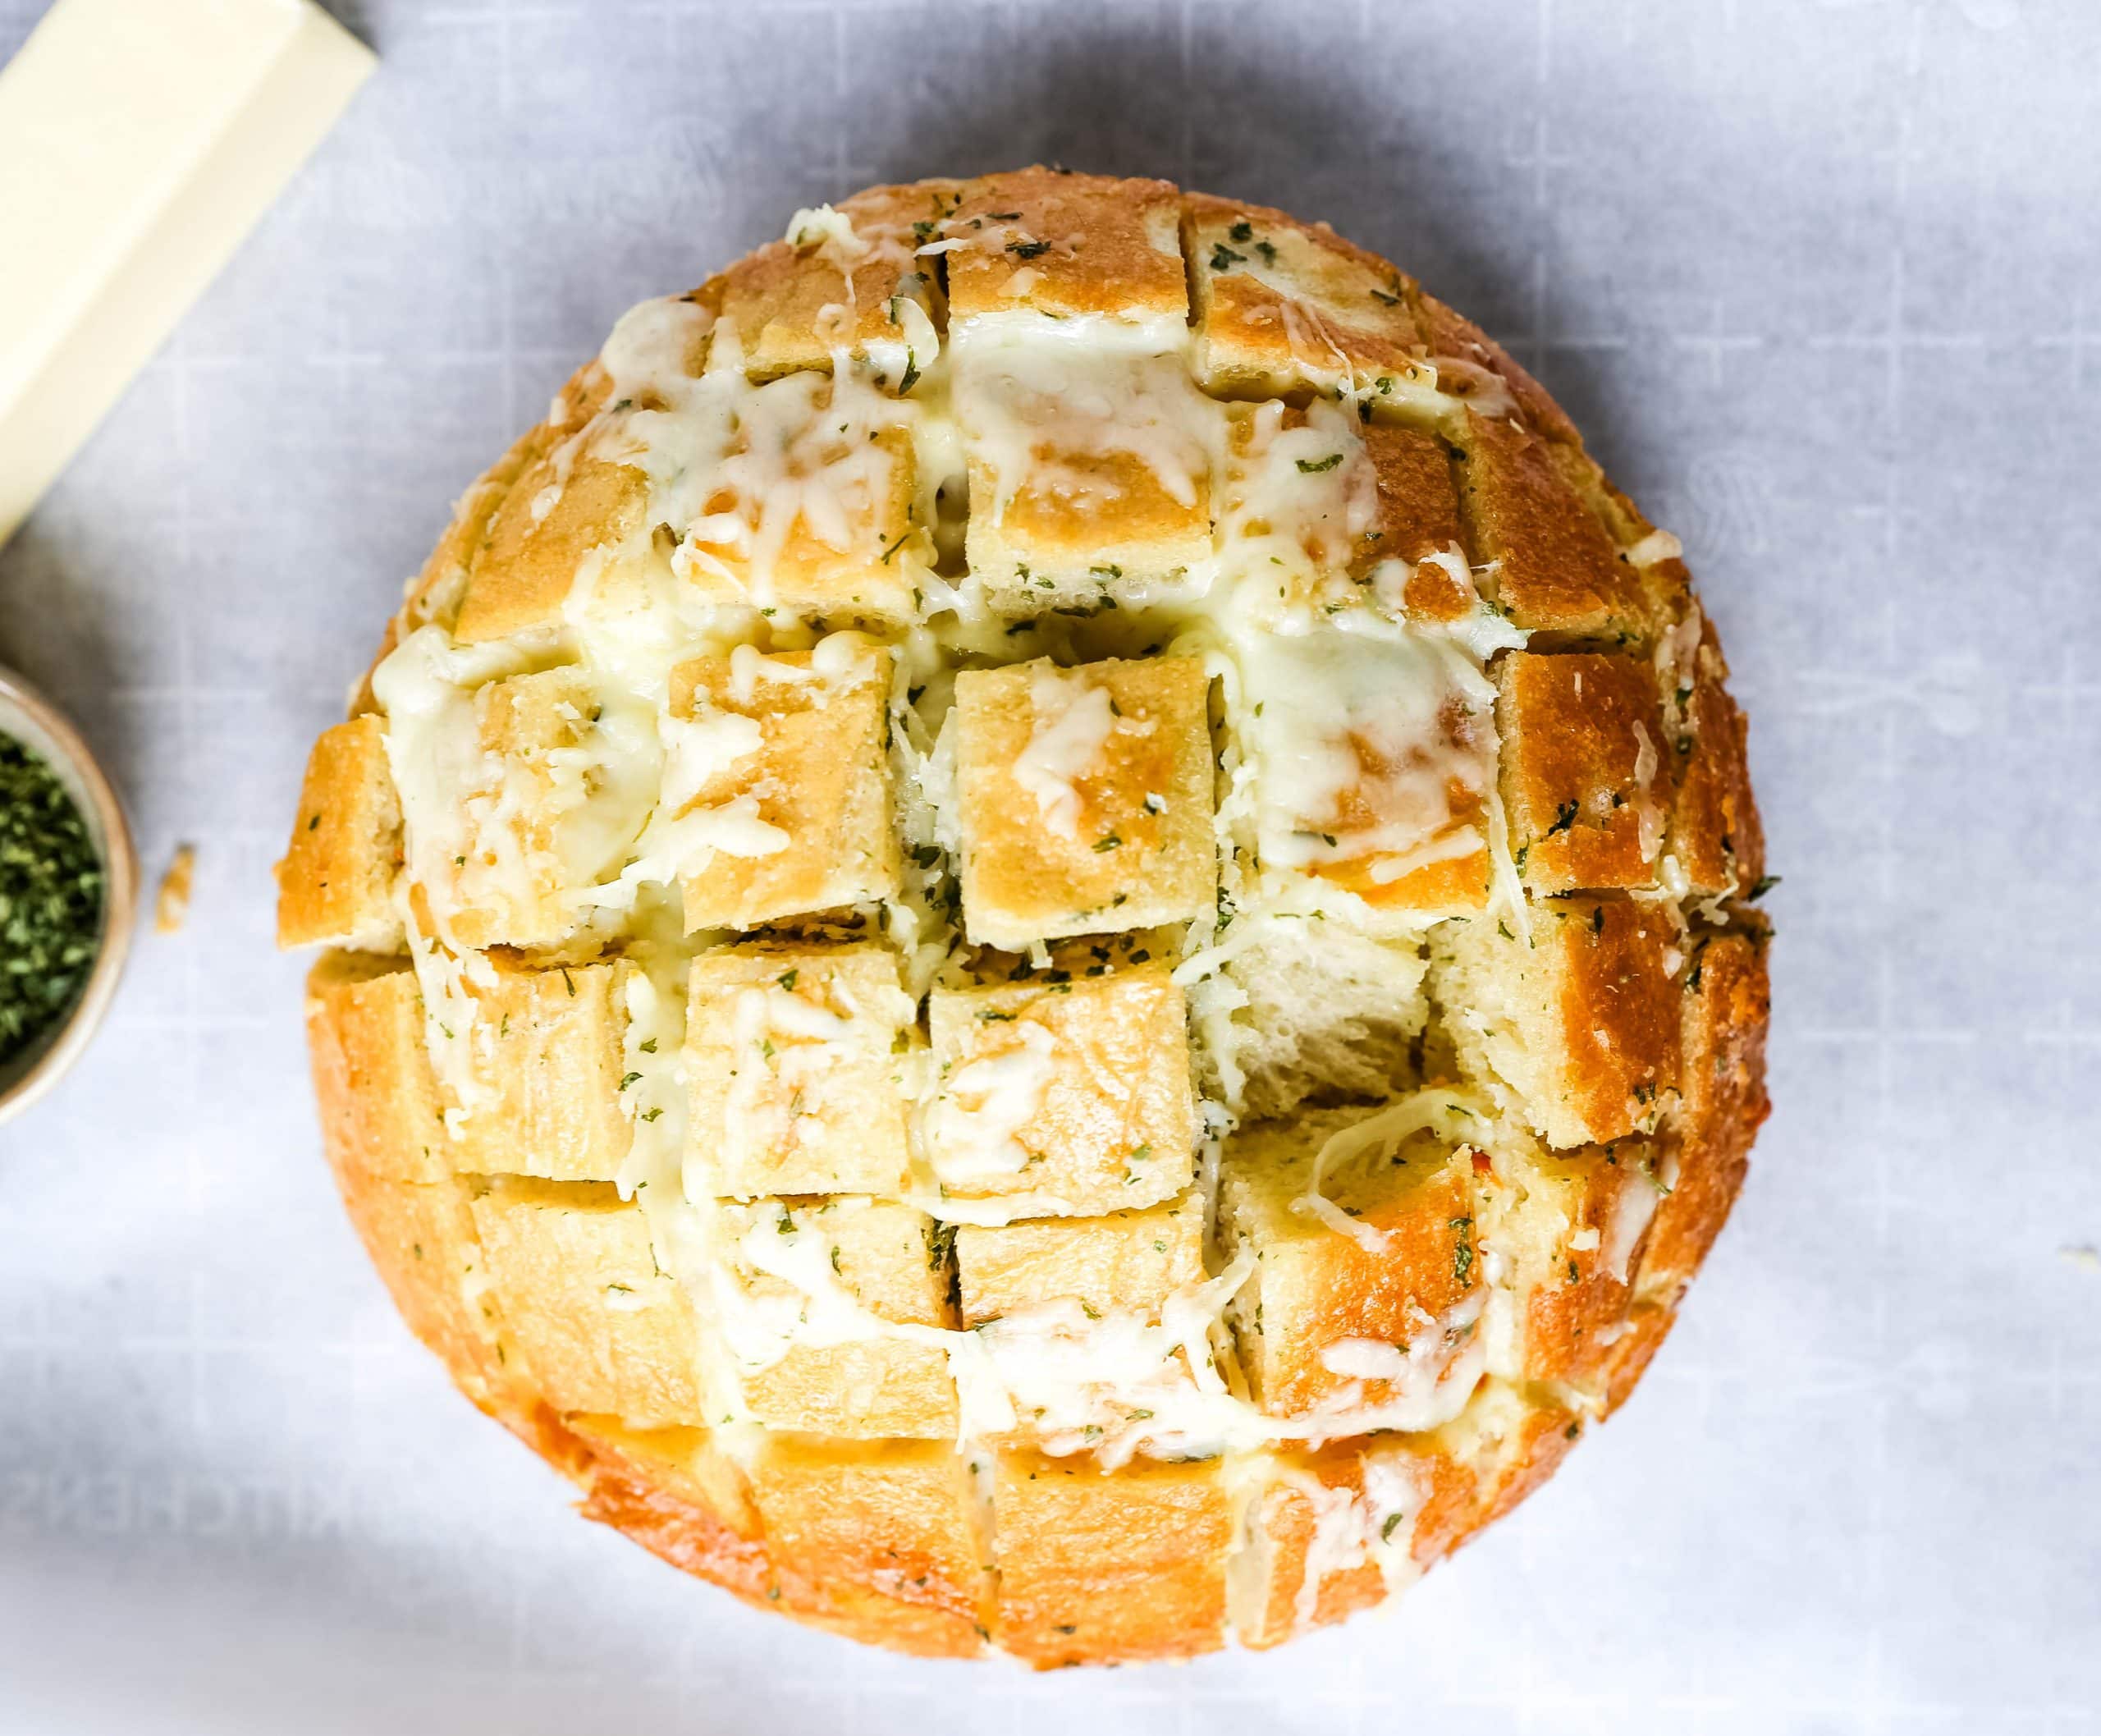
[1365,743]
[1444,1111]
[805,453]
[1300,502]
[1074,722]
[1631,1213]
[1032,395]
[984,1102]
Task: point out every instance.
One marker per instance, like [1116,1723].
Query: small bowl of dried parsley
[68,884]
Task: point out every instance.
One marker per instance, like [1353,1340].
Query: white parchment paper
[1821,282]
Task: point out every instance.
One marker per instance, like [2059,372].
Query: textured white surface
[1822,283]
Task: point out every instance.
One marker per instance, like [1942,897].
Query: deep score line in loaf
[1040,934]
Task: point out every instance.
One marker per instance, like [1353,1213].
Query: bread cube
[381,1120]
[1369,1318]
[1315,1005]
[540,820]
[810,512]
[547,1053]
[1072,1094]
[877,1539]
[1110,1566]
[1283,307]
[875,1387]
[793,1069]
[777,773]
[1323,1536]
[571,513]
[1084,798]
[522,534]
[1418,517]
[1037,242]
[1726,1001]
[880,1256]
[336,885]
[1587,771]
[602,1328]
[1090,470]
[550,524]
[1579,1027]
[839,282]
[1372,757]
[1715,833]
[1566,1229]
[1131,1260]
[1559,572]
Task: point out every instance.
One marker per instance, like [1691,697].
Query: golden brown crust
[1134,847]
[1586,780]
[508,1251]
[674,1493]
[1133,1259]
[771,1112]
[1283,307]
[851,571]
[1418,514]
[1114,1121]
[526,569]
[1560,573]
[1571,1227]
[1617,1011]
[602,1330]
[883,1255]
[1728,1003]
[796,302]
[436,592]
[1579,1019]
[1065,246]
[878,1539]
[381,1131]
[1457,347]
[335,884]
[1482,1465]
[1102,1566]
[1646,1326]
[1715,830]
[380,1115]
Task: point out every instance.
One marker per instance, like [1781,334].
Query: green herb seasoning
[50,898]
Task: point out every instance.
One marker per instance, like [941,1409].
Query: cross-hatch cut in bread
[1041,928]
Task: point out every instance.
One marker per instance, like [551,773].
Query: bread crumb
[171,906]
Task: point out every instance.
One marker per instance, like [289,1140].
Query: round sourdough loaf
[1039,931]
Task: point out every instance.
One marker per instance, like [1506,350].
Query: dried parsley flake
[51,894]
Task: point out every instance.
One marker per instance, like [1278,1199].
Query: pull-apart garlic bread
[1038,933]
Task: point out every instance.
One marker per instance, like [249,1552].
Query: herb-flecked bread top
[1038,932]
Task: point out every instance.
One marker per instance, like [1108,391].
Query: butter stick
[139,141]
